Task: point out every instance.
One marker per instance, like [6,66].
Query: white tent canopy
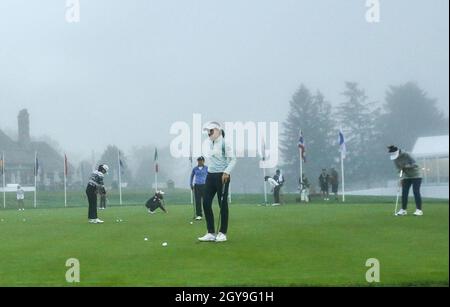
[431,147]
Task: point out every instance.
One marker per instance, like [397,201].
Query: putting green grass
[291,245]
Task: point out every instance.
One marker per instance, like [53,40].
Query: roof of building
[432,146]
[16,154]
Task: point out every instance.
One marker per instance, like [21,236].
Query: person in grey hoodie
[411,176]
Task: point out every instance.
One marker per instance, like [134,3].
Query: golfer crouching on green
[220,164]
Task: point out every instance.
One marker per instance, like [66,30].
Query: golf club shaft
[224,185]
[398,191]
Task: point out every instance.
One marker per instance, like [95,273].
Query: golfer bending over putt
[157,201]
[411,177]
[221,162]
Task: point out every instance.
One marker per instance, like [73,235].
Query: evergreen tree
[410,113]
[312,114]
[357,118]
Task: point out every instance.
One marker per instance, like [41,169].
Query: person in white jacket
[221,161]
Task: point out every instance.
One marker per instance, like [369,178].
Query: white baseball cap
[211,125]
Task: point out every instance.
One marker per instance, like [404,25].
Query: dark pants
[199,194]
[91,193]
[276,194]
[406,185]
[214,186]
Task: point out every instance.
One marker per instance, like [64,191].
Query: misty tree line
[406,114]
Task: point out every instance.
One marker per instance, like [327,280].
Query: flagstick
[35,178]
[301,169]
[192,193]
[265,187]
[65,181]
[3,180]
[120,178]
[342,174]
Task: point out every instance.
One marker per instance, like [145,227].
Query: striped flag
[342,146]
[301,146]
[156,160]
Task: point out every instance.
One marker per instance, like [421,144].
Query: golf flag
[36,166]
[2,164]
[66,166]
[119,175]
[301,146]
[342,146]
[156,161]
[121,164]
[263,150]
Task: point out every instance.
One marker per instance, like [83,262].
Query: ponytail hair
[223,133]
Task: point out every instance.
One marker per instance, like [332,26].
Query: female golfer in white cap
[411,176]
[221,161]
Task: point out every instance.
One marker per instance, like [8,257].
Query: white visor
[211,125]
[394,155]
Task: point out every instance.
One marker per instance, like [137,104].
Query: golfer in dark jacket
[411,176]
[198,181]
[157,201]
[221,161]
[95,184]
[324,179]
[334,180]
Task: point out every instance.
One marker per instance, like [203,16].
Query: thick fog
[129,69]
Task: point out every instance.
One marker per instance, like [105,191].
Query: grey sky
[131,68]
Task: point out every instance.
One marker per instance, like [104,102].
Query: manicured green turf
[291,245]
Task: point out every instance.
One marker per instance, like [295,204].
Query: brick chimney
[24,127]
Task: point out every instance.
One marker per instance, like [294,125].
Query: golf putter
[193,205]
[398,192]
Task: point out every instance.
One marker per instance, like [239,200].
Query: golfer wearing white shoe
[221,162]
[411,177]
[95,184]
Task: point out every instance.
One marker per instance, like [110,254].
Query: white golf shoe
[198,218]
[401,213]
[96,221]
[275,204]
[221,237]
[418,212]
[209,237]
